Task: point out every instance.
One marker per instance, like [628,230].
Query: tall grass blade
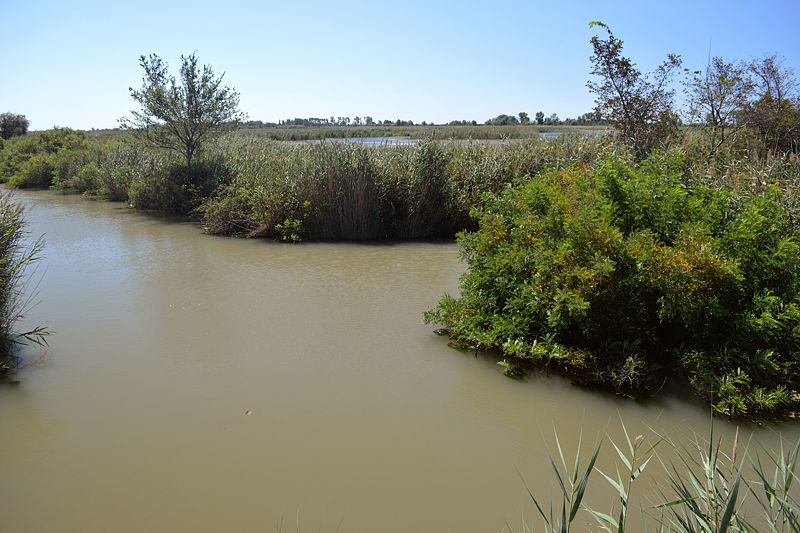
[576,504]
[731,505]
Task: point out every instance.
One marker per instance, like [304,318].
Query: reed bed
[349,191]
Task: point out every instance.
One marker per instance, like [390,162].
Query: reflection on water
[197,383]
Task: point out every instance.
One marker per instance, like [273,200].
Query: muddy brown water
[197,383]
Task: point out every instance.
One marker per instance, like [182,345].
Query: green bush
[87,180]
[68,165]
[623,275]
[63,150]
[36,172]
[168,186]
[16,151]
[121,164]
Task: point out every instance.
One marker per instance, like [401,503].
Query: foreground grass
[708,489]
[15,258]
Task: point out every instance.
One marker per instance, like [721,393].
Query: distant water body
[408,141]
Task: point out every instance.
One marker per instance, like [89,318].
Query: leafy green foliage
[169,187]
[12,125]
[182,116]
[15,257]
[622,275]
[36,172]
[42,159]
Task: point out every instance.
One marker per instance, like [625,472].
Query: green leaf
[621,455]
[729,509]
[582,486]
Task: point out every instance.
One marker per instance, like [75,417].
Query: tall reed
[349,191]
[16,255]
[706,490]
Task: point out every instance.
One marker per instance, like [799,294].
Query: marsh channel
[199,383]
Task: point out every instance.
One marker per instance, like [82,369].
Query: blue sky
[71,63]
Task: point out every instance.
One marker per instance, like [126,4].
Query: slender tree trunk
[189,156]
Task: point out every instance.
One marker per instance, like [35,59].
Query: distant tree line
[315,122]
[587,119]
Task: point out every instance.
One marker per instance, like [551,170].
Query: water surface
[198,383]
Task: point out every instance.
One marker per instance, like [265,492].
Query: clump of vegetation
[12,125]
[705,492]
[624,274]
[15,257]
[43,159]
[348,191]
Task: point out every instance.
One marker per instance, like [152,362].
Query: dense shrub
[625,274]
[15,152]
[36,172]
[59,155]
[167,185]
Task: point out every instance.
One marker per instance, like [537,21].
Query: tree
[502,120]
[182,116]
[524,118]
[588,119]
[775,114]
[717,97]
[540,117]
[774,80]
[639,106]
[12,125]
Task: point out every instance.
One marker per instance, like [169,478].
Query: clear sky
[70,63]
